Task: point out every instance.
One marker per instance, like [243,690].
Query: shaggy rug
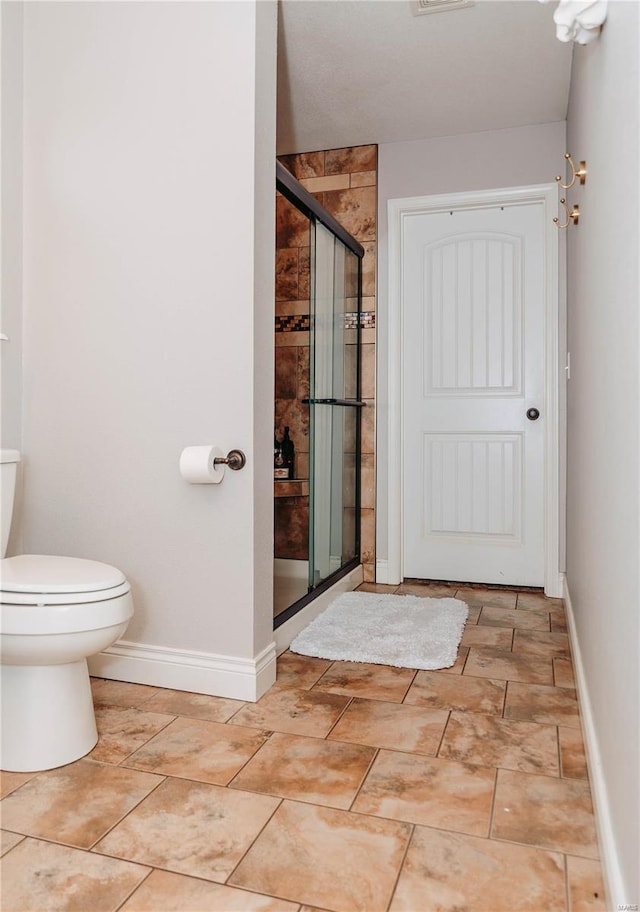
[402,630]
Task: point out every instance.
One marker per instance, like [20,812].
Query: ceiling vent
[439,6]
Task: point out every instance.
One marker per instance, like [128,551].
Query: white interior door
[473,365]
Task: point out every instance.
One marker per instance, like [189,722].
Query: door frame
[399,210]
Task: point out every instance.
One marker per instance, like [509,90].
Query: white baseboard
[614,881]
[292,627]
[197,672]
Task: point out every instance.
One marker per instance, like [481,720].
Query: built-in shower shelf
[294,487]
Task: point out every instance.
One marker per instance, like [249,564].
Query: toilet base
[48,718]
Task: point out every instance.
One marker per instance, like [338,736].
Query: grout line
[446,725]
[567,891]
[256,837]
[139,747]
[559,746]
[164,779]
[493,803]
[266,741]
[364,778]
[135,889]
[343,711]
[402,863]
[236,711]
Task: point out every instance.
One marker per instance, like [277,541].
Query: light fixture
[439,6]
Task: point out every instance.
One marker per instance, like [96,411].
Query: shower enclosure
[317,508]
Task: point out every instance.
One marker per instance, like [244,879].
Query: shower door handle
[357,403]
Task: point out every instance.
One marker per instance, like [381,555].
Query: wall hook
[572,216]
[580,173]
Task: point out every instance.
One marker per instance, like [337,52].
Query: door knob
[533,414]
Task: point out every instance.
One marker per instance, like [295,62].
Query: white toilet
[55,612]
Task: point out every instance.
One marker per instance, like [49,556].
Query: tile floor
[347,787]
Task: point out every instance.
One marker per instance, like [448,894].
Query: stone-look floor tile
[427,590]
[447,871]
[190,828]
[8,841]
[548,813]
[558,620]
[193,705]
[122,731]
[563,673]
[539,703]
[500,598]
[458,666]
[9,782]
[539,643]
[203,751]
[75,804]
[440,691]
[361,679]
[507,617]
[534,600]
[309,769]
[497,637]
[573,760]
[397,727]
[296,712]
[120,693]
[299,671]
[439,793]
[381,588]
[489,741]
[508,666]
[326,859]
[586,886]
[474,613]
[56,878]
[166,892]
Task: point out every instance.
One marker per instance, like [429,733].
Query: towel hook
[572,216]
[580,173]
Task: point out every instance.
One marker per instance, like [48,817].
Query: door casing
[398,210]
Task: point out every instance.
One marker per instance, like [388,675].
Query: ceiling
[352,72]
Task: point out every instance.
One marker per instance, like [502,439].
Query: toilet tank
[9,466]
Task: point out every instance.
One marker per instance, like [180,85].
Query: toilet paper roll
[197,466]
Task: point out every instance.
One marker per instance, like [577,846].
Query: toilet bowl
[55,612]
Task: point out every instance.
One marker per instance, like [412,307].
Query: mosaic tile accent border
[302,322]
[293,323]
[367,320]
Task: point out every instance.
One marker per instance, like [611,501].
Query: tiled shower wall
[345,182]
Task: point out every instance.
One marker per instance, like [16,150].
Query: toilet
[54,613]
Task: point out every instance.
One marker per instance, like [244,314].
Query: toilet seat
[33,573]
[47,594]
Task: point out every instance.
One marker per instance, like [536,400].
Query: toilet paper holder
[235,459]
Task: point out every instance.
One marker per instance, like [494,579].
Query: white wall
[148,298]
[11,247]
[603,538]
[474,161]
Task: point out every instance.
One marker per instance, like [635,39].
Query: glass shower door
[334,407]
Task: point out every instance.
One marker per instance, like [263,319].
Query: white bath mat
[402,630]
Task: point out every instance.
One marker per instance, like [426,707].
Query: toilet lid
[39,573]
